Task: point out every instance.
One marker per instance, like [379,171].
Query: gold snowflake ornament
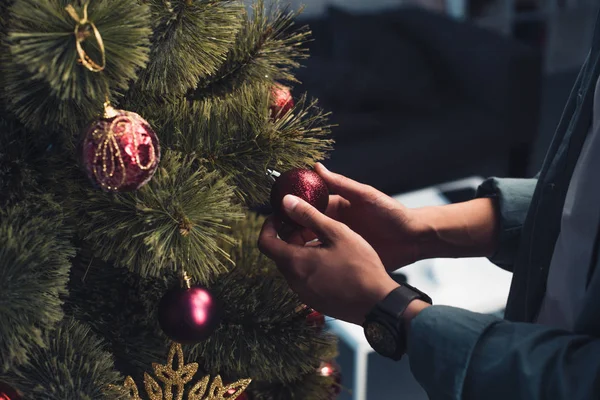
[175,375]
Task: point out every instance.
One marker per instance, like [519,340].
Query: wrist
[467,229]
[383,289]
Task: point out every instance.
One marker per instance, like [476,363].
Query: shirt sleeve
[514,197]
[460,355]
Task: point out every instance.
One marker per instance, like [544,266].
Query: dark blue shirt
[457,354]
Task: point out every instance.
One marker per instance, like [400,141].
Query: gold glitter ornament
[175,375]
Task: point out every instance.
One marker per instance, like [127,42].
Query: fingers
[336,204]
[273,247]
[344,186]
[288,257]
[309,217]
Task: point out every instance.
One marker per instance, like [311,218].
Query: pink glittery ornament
[281,101]
[303,183]
[120,151]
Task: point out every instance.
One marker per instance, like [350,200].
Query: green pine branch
[120,307]
[34,265]
[177,220]
[18,178]
[42,41]
[266,50]
[45,85]
[190,42]
[72,364]
[236,135]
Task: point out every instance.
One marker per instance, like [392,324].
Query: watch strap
[395,303]
[389,312]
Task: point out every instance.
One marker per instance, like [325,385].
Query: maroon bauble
[243,396]
[188,316]
[316,319]
[8,393]
[332,369]
[303,183]
[120,152]
[281,101]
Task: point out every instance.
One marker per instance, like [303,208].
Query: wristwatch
[384,326]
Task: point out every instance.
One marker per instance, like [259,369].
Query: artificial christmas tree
[135,136]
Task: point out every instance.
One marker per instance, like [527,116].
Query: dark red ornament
[281,101]
[188,314]
[243,396]
[120,152]
[331,369]
[316,319]
[8,393]
[303,183]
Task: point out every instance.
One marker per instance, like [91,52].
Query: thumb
[309,217]
[345,187]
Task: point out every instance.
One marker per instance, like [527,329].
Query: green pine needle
[42,41]
[37,107]
[17,177]
[191,40]
[121,307]
[266,50]
[238,137]
[175,221]
[73,364]
[42,80]
[34,265]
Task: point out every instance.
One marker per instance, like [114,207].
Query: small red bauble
[188,315]
[281,101]
[8,393]
[331,369]
[316,319]
[120,152]
[243,396]
[303,183]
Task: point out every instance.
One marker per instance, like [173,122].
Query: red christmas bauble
[120,152]
[303,183]
[332,369]
[281,101]
[8,393]
[243,396]
[316,319]
[188,316]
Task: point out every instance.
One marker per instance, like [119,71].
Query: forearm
[468,229]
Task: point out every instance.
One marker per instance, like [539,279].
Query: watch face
[381,338]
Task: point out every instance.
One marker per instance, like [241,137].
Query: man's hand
[341,276]
[384,223]
[400,235]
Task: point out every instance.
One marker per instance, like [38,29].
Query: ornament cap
[273,175]
[109,111]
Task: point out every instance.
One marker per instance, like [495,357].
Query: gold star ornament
[174,376]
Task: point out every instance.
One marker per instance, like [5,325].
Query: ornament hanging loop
[186,280]
[81,36]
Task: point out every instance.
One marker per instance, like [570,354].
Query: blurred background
[428,91]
